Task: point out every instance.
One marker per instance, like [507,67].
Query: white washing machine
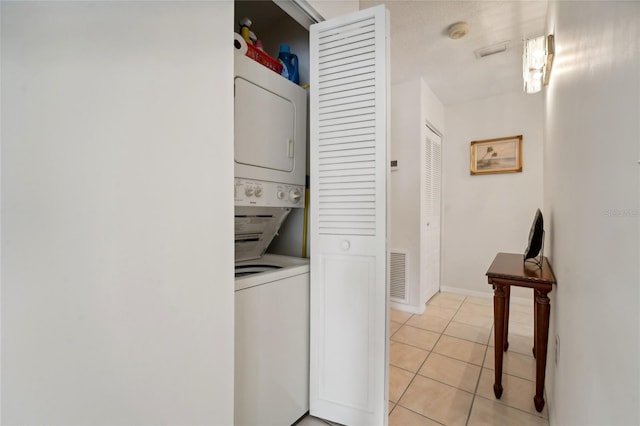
[271,324]
[271,340]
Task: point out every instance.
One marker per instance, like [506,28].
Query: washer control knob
[280,195]
[248,191]
[258,191]
[295,195]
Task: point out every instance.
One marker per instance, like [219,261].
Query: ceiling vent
[483,52]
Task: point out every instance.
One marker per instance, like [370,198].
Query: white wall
[592,202]
[117,163]
[405,181]
[334,8]
[412,105]
[486,214]
[432,109]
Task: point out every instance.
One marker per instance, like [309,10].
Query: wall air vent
[398,275]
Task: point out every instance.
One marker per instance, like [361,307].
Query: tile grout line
[442,333]
[426,358]
[475,392]
[419,414]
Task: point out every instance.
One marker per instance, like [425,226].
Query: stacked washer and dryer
[272,291]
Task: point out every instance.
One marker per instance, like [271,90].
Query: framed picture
[502,155]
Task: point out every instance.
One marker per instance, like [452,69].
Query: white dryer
[270,137]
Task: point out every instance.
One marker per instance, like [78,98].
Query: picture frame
[501,155]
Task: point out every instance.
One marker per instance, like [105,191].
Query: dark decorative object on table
[535,248]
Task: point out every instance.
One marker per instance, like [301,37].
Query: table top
[511,266]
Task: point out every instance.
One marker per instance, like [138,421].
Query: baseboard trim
[419,310]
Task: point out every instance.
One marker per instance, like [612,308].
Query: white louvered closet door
[349,276]
[430,216]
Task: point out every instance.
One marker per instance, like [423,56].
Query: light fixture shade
[537,59]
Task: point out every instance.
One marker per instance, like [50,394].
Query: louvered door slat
[343,169]
[341,179]
[359,81]
[349,206]
[345,31]
[348,182]
[346,107]
[345,146]
[330,137]
[363,190]
[330,101]
[348,63]
[357,151]
[348,160]
[349,212]
[343,199]
[361,110]
[352,70]
[366,43]
[363,120]
[326,59]
[357,35]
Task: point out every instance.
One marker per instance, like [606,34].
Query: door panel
[349,275]
[346,280]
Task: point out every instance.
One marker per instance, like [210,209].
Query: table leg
[507,302]
[535,323]
[541,338]
[498,321]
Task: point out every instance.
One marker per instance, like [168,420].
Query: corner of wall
[432,108]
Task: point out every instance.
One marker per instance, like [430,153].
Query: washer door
[244,270]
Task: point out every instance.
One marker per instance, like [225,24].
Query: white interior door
[349,274]
[431,201]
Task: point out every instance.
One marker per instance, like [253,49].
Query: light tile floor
[442,371]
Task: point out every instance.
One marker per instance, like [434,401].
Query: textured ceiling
[420,46]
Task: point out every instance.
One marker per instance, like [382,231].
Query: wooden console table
[508,270]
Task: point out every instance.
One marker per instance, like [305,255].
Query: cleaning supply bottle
[290,62]
[245,24]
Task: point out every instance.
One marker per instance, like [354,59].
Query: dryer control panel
[248,192]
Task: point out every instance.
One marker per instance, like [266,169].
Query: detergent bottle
[290,63]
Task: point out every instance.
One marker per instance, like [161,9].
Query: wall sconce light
[537,60]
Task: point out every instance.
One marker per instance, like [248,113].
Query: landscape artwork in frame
[502,155]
